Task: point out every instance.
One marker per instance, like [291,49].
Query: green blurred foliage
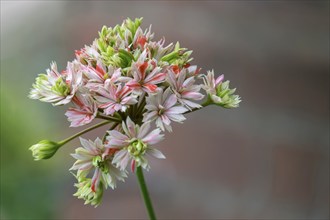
[28,188]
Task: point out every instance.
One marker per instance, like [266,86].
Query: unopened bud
[45,149]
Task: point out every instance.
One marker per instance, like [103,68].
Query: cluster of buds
[140,87]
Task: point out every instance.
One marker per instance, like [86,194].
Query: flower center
[161,110]
[61,87]
[137,148]
[102,164]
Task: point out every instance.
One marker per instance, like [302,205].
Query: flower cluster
[139,85]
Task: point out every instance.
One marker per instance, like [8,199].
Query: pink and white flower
[211,84]
[185,88]
[57,88]
[141,39]
[157,49]
[162,108]
[83,112]
[133,144]
[113,98]
[93,155]
[88,53]
[146,76]
[98,75]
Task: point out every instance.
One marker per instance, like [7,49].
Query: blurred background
[267,159]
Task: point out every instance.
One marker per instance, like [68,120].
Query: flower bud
[227,97]
[86,193]
[44,149]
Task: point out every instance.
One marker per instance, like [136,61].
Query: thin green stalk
[109,118]
[145,194]
[83,132]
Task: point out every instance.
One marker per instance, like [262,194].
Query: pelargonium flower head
[137,84]
[114,97]
[83,112]
[162,108]
[93,155]
[185,88]
[133,144]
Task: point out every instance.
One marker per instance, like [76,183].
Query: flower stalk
[145,193]
[83,132]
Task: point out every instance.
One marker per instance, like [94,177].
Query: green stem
[109,118]
[145,194]
[83,132]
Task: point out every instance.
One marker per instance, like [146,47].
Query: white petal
[117,139]
[170,101]
[130,128]
[177,118]
[143,130]
[192,95]
[150,116]
[87,145]
[159,124]
[190,103]
[156,153]
[165,119]
[176,110]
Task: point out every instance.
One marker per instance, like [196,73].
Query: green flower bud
[228,98]
[132,26]
[126,58]
[86,193]
[44,149]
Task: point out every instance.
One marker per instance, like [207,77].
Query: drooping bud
[45,149]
